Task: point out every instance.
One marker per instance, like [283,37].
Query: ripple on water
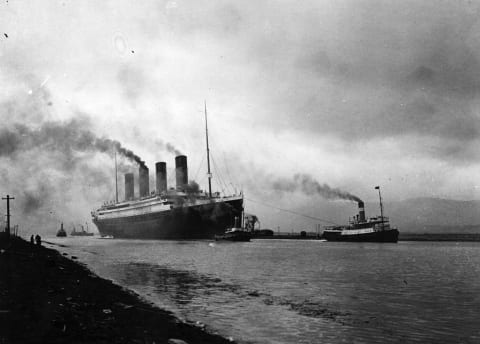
[301,292]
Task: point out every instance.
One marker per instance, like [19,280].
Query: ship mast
[116,179]
[381,205]
[208,155]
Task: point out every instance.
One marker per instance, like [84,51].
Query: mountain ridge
[434,215]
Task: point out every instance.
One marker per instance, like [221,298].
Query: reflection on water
[181,286]
[274,291]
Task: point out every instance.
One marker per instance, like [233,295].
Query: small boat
[236,233]
[106,237]
[83,232]
[61,232]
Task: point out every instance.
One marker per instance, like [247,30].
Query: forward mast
[209,173]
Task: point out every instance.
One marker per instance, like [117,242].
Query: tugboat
[61,232]
[236,233]
[375,229]
[83,232]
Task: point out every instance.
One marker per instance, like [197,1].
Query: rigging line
[225,186]
[217,173]
[293,212]
[200,182]
[228,171]
[221,184]
[196,174]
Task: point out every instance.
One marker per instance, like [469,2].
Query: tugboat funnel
[361,212]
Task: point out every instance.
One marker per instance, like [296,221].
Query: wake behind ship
[183,212]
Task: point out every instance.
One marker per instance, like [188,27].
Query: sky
[350,94]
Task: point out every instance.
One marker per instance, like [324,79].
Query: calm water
[287,291]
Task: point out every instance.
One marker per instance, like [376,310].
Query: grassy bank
[48,298]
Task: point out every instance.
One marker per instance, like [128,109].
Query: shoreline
[407,236]
[46,297]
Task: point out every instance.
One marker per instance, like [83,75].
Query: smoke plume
[309,186]
[192,187]
[54,169]
[168,147]
[71,137]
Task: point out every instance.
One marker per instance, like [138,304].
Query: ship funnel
[361,211]
[161,177]
[129,187]
[181,171]
[143,181]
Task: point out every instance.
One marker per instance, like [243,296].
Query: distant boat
[236,233]
[374,229]
[106,237]
[83,232]
[61,232]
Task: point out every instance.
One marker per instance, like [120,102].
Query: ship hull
[390,236]
[235,236]
[202,221]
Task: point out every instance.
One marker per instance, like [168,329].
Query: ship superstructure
[183,212]
[374,229]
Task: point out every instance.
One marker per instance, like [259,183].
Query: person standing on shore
[38,239]
[32,240]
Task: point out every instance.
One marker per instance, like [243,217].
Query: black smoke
[168,147]
[309,186]
[58,171]
[71,137]
[192,187]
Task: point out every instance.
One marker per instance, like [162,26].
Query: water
[289,291]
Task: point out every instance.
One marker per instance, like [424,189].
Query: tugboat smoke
[309,186]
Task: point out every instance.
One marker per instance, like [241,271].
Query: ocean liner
[183,212]
[374,229]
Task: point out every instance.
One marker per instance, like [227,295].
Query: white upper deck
[156,204]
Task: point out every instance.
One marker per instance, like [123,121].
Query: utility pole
[8,198]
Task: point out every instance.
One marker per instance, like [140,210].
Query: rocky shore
[48,298]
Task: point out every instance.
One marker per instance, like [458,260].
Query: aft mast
[381,206]
[208,155]
[116,179]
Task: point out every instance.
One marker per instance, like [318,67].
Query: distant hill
[433,215]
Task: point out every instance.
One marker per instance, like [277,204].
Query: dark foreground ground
[48,298]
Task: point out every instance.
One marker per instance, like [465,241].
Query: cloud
[381,77]
[350,92]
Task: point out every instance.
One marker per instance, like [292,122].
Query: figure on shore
[38,239]
[32,240]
